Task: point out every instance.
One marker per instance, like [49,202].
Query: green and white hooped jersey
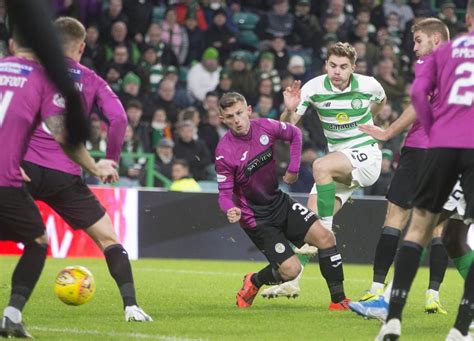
[342,111]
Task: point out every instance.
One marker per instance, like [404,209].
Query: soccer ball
[74,285]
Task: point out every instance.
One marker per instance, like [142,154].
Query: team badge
[342,117]
[59,101]
[356,103]
[264,139]
[279,248]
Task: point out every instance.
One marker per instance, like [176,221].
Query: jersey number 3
[455,97]
[5,100]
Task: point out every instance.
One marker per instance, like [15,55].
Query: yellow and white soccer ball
[74,285]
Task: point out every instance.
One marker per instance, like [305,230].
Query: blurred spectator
[336,9]
[98,136]
[361,35]
[112,14]
[84,10]
[141,130]
[265,108]
[165,54]
[195,39]
[362,67]
[182,179]
[363,54]
[181,97]
[195,152]
[191,8]
[164,159]
[160,127]
[190,114]
[174,35]
[131,91]
[393,28]
[164,98]
[113,78]
[363,17]
[150,69]
[332,26]
[121,59]
[280,51]
[307,25]
[94,52]
[208,129]
[139,13]
[220,36]
[211,101]
[448,16]
[286,81]
[404,12]
[130,168]
[266,70]
[380,187]
[118,32]
[204,76]
[421,8]
[214,6]
[225,83]
[243,78]
[279,21]
[393,84]
[305,176]
[297,68]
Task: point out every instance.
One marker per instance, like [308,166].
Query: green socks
[326,198]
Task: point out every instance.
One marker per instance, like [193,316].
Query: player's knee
[451,242]
[320,168]
[290,270]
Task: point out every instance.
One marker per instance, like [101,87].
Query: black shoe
[9,329]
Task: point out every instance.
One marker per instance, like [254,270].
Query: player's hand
[107,171]
[290,178]
[234,214]
[374,131]
[292,96]
[25,177]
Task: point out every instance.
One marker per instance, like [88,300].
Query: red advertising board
[121,205]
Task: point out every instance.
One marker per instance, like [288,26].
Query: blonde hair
[430,26]
[229,99]
[70,31]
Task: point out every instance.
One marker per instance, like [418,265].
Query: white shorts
[456,202]
[367,163]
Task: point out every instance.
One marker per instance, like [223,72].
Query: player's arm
[288,132]
[113,110]
[104,169]
[397,127]
[225,184]
[292,99]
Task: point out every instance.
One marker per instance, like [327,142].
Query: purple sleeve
[422,87]
[288,132]
[113,110]
[225,182]
[52,102]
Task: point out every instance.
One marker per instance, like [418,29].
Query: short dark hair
[229,99]
[430,26]
[133,103]
[181,162]
[343,50]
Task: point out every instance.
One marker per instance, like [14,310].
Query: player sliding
[249,194]
[27,96]
[450,154]
[54,179]
[343,100]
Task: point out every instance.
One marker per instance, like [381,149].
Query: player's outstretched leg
[119,267]
[460,331]
[438,265]
[291,289]
[24,279]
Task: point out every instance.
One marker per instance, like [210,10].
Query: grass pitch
[194,299]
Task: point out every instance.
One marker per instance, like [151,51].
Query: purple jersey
[45,151]
[245,168]
[451,72]
[25,99]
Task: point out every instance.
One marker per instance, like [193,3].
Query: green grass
[196,299]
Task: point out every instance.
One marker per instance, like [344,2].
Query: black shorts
[20,219]
[439,173]
[291,224]
[67,194]
[403,186]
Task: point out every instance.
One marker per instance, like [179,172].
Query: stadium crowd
[169,61]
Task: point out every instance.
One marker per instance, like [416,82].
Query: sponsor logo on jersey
[58,100]
[219,157]
[283,125]
[221,178]
[264,139]
[258,162]
[342,117]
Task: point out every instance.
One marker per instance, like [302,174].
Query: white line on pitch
[112,334]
